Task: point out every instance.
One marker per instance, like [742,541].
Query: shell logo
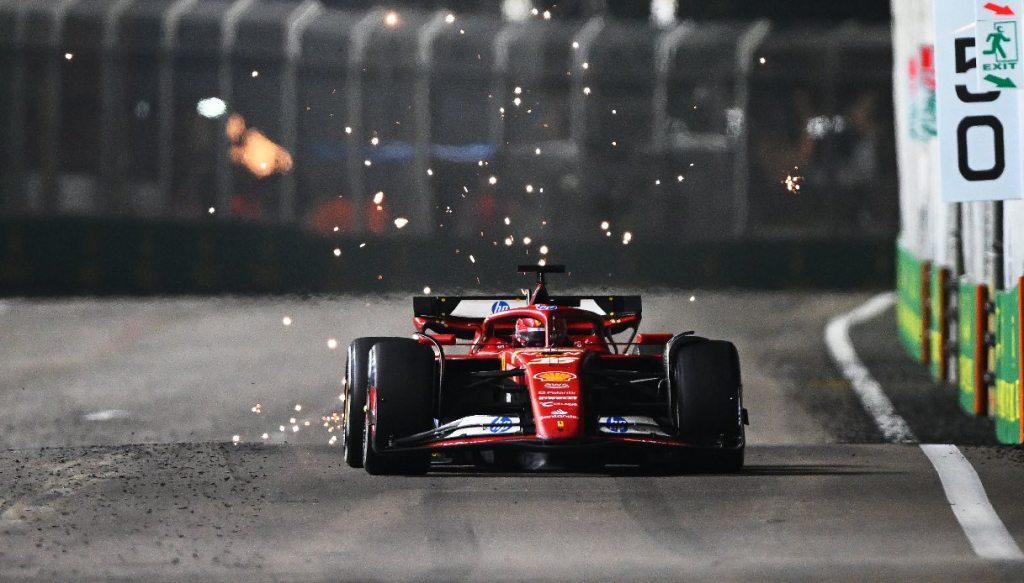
[554,376]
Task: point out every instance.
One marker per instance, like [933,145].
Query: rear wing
[479,307]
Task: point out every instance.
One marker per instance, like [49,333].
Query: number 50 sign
[979,121]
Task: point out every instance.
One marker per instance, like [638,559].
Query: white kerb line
[966,494]
[963,488]
[837,338]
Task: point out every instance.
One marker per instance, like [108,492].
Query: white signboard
[979,131]
[996,37]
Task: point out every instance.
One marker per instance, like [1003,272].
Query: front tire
[705,377]
[356,373]
[402,376]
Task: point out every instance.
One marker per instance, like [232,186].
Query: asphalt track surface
[116,459]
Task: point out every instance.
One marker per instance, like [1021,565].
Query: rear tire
[705,375]
[402,375]
[356,372]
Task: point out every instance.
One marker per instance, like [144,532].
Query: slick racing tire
[402,377]
[356,373]
[705,378]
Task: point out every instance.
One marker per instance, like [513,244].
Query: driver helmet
[529,332]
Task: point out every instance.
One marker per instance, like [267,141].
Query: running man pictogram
[996,40]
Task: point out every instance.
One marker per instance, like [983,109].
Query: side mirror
[442,339]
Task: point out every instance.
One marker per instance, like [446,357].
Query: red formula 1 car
[541,378]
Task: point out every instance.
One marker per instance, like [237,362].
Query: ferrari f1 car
[541,375]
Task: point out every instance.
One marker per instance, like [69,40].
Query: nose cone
[554,384]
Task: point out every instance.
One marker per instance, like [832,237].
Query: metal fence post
[113,170]
[228,33]
[577,106]
[360,39]
[16,87]
[668,45]
[749,43]
[297,22]
[165,155]
[425,59]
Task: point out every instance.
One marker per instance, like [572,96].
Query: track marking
[107,415]
[967,498]
[963,488]
[837,337]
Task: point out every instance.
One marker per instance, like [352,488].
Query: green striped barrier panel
[1007,403]
[909,304]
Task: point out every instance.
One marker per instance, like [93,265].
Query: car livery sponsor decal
[500,306]
[554,376]
[546,307]
[501,424]
[630,425]
[556,385]
[554,360]
[559,414]
[559,403]
[617,425]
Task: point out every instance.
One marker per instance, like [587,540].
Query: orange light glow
[254,150]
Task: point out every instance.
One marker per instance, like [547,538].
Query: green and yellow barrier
[912,305]
[972,361]
[939,322]
[1008,360]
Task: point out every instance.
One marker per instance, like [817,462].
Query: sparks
[761,60]
[254,73]
[450,18]
[586,90]
[575,45]
[605,225]
[508,221]
[430,172]
[508,241]
[627,237]
[542,262]
[792,183]
[235,438]
[348,130]
[287,321]
[518,90]
[69,56]
[537,152]
[693,298]
[298,407]
[527,240]
[211,210]
[529,188]
[426,289]
[517,101]
[374,141]
[547,15]
[367,163]
[401,222]
[391,19]
[379,197]
[492,180]
[585,66]
[472,259]
[337,252]
[265,436]
[332,343]
[543,250]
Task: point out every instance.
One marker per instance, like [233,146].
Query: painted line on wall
[963,488]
